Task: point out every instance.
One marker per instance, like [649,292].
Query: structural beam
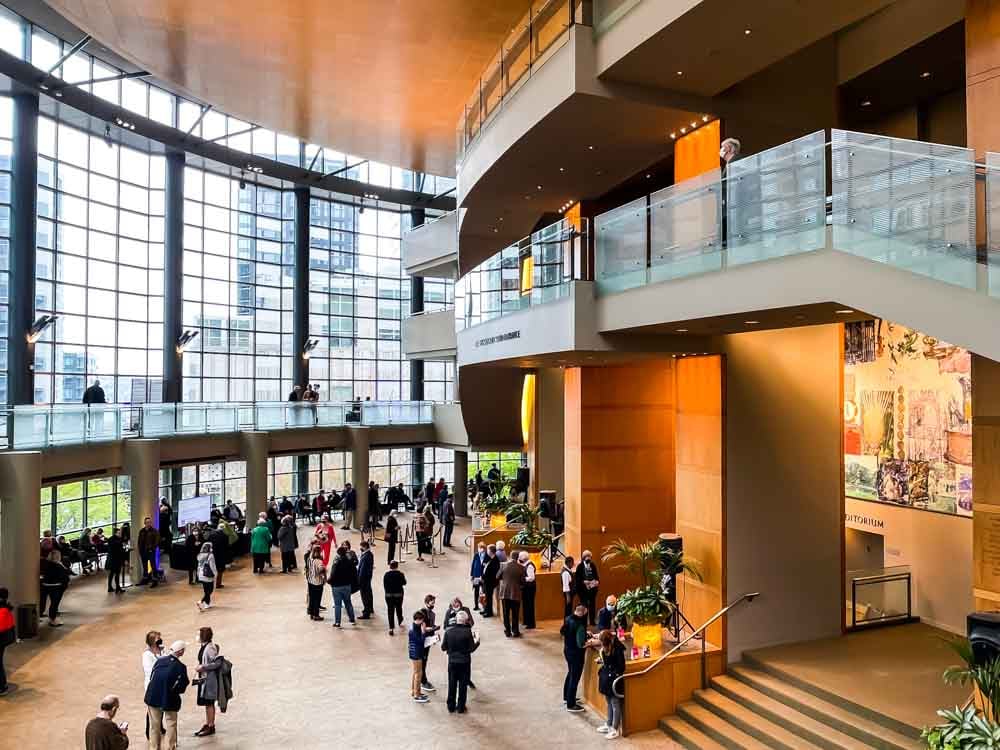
[20,487]
[173,276]
[417,218]
[24,179]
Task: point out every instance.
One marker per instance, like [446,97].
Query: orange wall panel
[697,152]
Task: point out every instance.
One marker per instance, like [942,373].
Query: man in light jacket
[512,578]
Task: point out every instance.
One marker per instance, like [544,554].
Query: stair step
[688,735]
[848,722]
[718,728]
[799,725]
[746,719]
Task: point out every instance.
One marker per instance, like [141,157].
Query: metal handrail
[490,530]
[681,644]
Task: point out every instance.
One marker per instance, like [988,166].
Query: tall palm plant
[984,677]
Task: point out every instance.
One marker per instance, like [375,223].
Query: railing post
[704,666]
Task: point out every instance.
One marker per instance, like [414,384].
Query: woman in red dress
[327,537]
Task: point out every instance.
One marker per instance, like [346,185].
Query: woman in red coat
[327,538]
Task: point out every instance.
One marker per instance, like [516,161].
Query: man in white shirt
[528,591]
[567,586]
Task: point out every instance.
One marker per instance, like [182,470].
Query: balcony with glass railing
[907,204]
[542,30]
[33,427]
[538,269]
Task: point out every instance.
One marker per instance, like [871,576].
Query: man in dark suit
[491,577]
[587,581]
[459,642]
[366,569]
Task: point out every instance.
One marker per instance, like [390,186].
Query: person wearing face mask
[587,582]
[574,633]
[476,573]
[154,650]
[528,591]
[607,618]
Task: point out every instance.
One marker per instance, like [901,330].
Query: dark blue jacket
[417,641]
[366,566]
[477,565]
[350,499]
[167,683]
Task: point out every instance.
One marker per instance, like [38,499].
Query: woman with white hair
[207,573]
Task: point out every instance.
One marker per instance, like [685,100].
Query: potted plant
[531,538]
[495,507]
[647,606]
[975,726]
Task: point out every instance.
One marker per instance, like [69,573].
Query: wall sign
[498,338]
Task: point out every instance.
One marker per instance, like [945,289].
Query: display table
[549,603]
[491,536]
[657,694]
[180,558]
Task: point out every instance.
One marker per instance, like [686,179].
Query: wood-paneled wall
[986,483]
[699,489]
[619,461]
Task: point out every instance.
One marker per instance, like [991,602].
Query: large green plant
[646,604]
[498,503]
[984,677]
[963,729]
[532,535]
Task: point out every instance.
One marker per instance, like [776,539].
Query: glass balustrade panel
[685,228]
[620,245]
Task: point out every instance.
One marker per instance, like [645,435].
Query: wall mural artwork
[907,418]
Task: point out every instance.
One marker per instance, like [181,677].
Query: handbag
[206,570]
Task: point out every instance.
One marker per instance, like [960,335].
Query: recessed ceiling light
[704,118]
[925,74]
[866,103]
[538,186]
[684,130]
[495,230]
[590,148]
[681,330]
[673,135]
[648,176]
[751,322]
[694,125]
[680,72]
[845,312]
[746,32]
[562,169]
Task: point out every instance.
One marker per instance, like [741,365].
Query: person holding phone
[102,733]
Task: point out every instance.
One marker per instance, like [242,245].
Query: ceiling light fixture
[562,169]
[124,124]
[746,32]
[925,74]
[684,130]
[673,135]
[590,148]
[866,103]
[704,118]
[680,72]
[682,330]
[845,312]
[751,322]
[538,186]
[694,125]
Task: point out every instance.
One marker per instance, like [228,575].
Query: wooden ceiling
[380,79]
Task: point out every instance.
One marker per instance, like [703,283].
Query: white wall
[938,549]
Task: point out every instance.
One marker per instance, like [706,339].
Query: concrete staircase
[753,708]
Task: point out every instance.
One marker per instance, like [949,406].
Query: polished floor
[297,683]
[894,671]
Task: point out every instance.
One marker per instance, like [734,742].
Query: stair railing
[681,644]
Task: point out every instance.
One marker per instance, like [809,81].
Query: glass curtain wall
[507,462]
[221,480]
[439,380]
[71,507]
[239,266]
[358,292]
[99,267]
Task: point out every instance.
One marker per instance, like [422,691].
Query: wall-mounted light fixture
[308,347]
[186,338]
[38,327]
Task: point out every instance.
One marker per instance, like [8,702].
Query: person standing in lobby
[366,569]
[349,502]
[342,580]
[430,630]
[393,584]
[459,642]
[491,579]
[587,582]
[115,562]
[167,684]
[260,546]
[148,542]
[476,573]
[220,551]
[208,574]
[315,580]
[528,591]
[448,519]
[288,542]
[55,581]
[8,635]
[512,577]
[574,633]
[568,584]
[326,535]
[102,733]
[209,687]
[391,536]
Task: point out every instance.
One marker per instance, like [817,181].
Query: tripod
[669,585]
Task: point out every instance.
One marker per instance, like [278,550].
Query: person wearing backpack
[8,635]
[207,572]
